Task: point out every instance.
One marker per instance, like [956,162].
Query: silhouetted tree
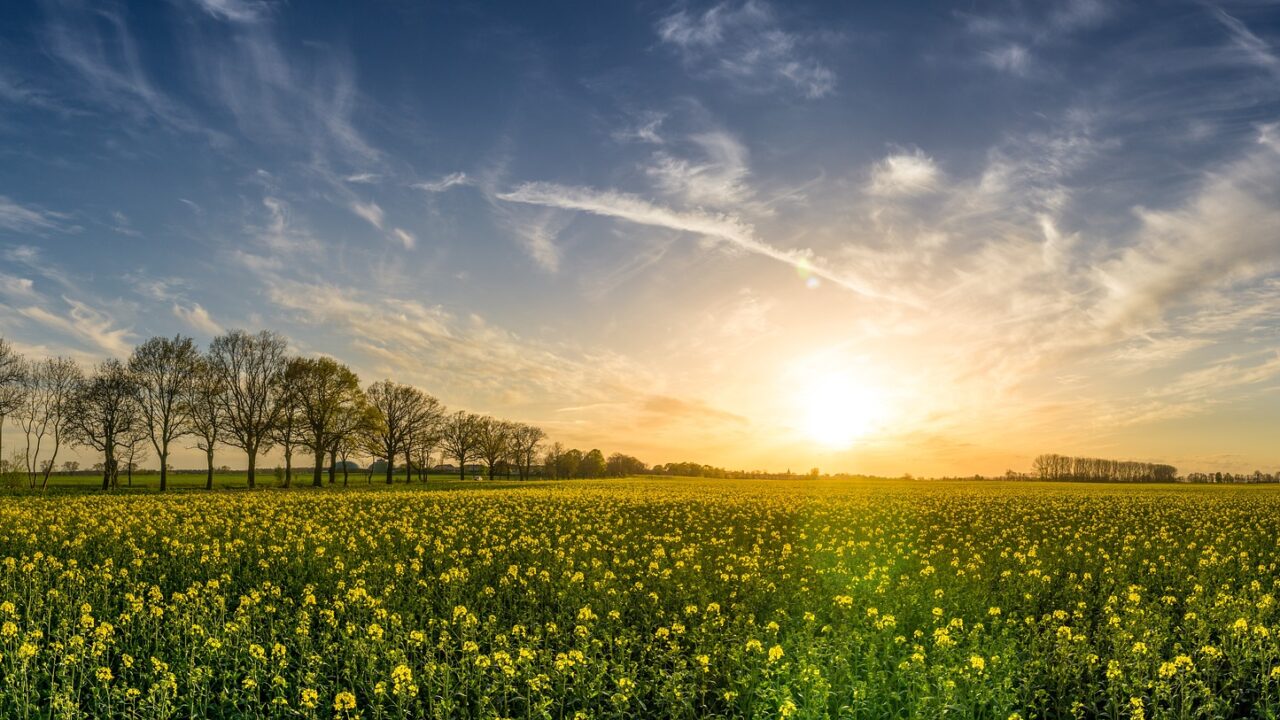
[133,449]
[1061,467]
[570,461]
[493,438]
[349,430]
[459,438]
[551,463]
[162,368]
[397,411]
[102,411]
[592,465]
[619,465]
[50,386]
[424,437]
[250,367]
[324,389]
[288,431]
[13,373]
[525,441]
[204,405]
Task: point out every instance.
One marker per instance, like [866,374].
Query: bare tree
[250,368]
[552,461]
[525,441]
[423,437]
[324,390]
[350,431]
[13,373]
[204,411]
[493,440]
[288,430]
[397,412]
[426,438]
[50,387]
[133,449]
[162,369]
[102,412]
[459,438]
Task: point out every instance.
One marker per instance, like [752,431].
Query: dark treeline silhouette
[1257,476]
[693,469]
[1083,469]
[246,392]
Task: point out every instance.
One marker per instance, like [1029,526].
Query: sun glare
[837,410]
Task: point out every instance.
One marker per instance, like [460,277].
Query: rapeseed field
[644,598]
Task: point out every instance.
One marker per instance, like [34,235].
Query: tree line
[1257,476]
[1084,469]
[246,392]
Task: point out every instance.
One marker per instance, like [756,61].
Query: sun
[836,409]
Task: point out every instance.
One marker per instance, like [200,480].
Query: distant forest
[1063,468]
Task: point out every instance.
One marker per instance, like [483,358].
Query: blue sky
[682,230]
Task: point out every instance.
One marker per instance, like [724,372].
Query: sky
[883,238]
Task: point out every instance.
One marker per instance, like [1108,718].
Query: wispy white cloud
[405,237]
[457,356]
[1011,37]
[717,180]
[85,323]
[28,218]
[746,44]
[280,237]
[904,174]
[537,235]
[98,47]
[1216,379]
[370,211]
[730,229]
[1013,58]
[644,129]
[363,178]
[1252,48]
[17,289]
[1173,260]
[22,91]
[239,11]
[451,180]
[198,318]
[308,104]
[121,224]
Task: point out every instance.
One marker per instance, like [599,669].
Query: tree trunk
[164,470]
[490,471]
[316,472]
[462,469]
[253,464]
[106,471]
[208,479]
[391,459]
[344,472]
[129,472]
[333,464]
[288,465]
[408,468]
